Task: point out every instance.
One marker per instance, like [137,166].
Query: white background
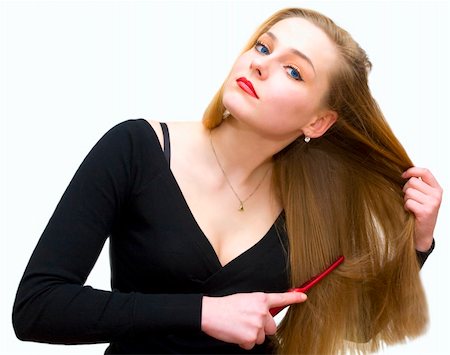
[70,70]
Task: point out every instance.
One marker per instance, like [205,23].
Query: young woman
[211,222]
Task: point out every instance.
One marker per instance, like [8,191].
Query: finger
[270,327]
[422,186]
[430,202]
[285,299]
[413,206]
[423,173]
[247,346]
[416,195]
[261,337]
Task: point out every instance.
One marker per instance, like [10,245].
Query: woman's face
[288,68]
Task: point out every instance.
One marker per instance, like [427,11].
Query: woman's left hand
[423,196]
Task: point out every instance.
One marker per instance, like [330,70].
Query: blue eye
[262,48]
[294,73]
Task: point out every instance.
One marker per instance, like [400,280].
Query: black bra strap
[166,136]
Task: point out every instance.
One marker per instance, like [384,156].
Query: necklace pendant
[241,207]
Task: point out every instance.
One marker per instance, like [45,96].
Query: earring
[225,114]
[307,139]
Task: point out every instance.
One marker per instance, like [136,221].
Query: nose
[260,66]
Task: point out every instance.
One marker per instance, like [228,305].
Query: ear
[318,127]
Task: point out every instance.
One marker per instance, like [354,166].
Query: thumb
[285,299]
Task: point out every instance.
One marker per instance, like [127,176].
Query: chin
[238,106]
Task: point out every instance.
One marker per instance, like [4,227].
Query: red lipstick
[247,86]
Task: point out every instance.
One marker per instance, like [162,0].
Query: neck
[243,153]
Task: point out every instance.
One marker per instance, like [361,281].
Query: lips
[247,86]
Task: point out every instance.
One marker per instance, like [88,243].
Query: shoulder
[134,145]
[137,130]
[130,142]
[179,131]
[147,131]
[156,125]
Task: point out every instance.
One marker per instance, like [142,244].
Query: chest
[159,247]
[215,208]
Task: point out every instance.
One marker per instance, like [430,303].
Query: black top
[161,261]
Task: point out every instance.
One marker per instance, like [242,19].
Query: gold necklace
[241,202]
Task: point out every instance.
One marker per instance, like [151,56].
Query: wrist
[205,321]
[424,245]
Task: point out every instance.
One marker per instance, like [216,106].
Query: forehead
[300,34]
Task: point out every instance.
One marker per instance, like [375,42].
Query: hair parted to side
[342,195]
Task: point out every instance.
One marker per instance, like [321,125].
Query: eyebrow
[293,50]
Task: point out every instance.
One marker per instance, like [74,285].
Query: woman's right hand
[244,318]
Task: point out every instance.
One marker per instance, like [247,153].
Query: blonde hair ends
[342,195]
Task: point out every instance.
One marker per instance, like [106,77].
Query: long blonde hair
[342,195]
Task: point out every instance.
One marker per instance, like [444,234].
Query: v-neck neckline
[202,240]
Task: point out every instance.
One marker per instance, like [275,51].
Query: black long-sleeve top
[161,261]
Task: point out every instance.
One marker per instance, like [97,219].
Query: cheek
[291,104]
[242,63]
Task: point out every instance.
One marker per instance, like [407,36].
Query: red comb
[310,283]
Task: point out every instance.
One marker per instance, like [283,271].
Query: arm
[423,196]
[52,303]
